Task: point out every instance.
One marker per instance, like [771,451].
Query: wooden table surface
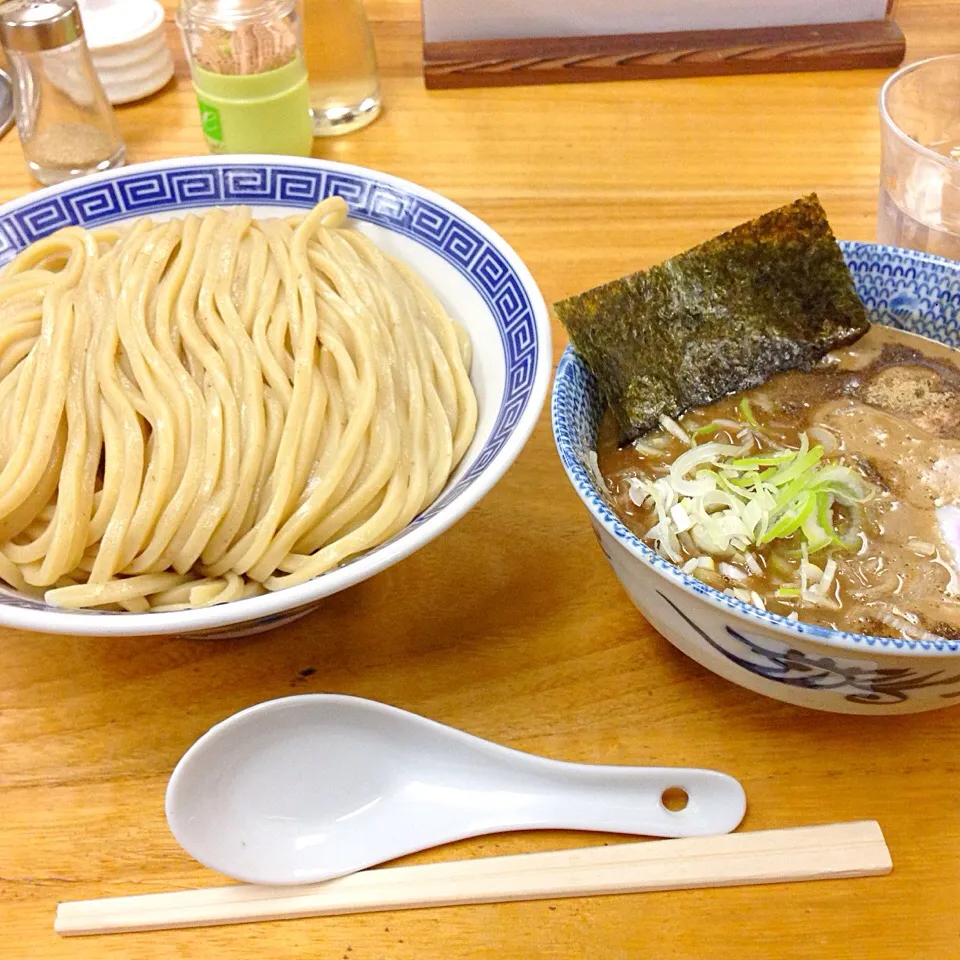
[511,625]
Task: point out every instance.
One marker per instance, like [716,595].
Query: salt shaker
[246,59]
[67,127]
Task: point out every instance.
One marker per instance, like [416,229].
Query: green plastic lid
[249,86]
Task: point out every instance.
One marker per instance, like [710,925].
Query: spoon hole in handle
[646,801]
[674,799]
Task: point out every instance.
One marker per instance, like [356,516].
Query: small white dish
[109,24]
[128,44]
[134,84]
[312,787]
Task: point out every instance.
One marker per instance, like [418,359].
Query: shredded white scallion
[907,629]
[648,450]
[731,502]
[829,573]
[825,438]
[721,500]
[922,548]
[671,426]
[593,465]
[680,517]
[817,599]
[637,492]
[732,572]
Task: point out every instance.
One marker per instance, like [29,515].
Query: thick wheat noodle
[196,411]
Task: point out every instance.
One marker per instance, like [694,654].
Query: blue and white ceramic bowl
[473,271]
[801,664]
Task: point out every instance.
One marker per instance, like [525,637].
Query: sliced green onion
[769,460]
[691,460]
[796,475]
[704,431]
[724,503]
[824,507]
[780,563]
[817,537]
[790,520]
[747,413]
[744,480]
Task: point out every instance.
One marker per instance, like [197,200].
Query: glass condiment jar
[246,59]
[342,63]
[67,127]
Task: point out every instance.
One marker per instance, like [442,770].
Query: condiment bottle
[67,127]
[246,58]
[342,63]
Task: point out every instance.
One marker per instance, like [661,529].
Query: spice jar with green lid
[67,128]
[246,60]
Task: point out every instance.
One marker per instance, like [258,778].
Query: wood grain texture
[652,56]
[511,625]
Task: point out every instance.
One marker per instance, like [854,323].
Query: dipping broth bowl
[796,662]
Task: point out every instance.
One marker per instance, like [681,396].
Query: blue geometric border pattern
[917,292]
[371,200]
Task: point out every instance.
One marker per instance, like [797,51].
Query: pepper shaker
[67,127]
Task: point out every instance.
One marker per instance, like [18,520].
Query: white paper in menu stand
[506,19]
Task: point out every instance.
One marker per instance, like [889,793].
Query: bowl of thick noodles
[230,388]
[858,610]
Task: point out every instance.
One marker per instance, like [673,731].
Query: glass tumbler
[919,204]
[342,63]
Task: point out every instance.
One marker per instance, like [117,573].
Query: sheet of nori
[769,295]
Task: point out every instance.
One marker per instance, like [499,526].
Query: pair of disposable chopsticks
[766,856]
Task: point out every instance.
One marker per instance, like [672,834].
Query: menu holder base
[650,56]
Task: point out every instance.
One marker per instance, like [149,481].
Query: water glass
[342,62]
[919,204]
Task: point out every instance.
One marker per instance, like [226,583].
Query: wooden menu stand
[833,46]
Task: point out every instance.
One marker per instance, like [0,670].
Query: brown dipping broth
[889,406]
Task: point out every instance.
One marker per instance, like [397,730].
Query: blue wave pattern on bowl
[931,308]
[137,194]
[785,664]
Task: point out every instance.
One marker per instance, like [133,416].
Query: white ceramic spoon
[312,787]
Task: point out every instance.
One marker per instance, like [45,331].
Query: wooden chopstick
[765,856]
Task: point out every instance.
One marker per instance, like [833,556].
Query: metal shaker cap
[35,25]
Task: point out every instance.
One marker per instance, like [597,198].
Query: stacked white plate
[128,43]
